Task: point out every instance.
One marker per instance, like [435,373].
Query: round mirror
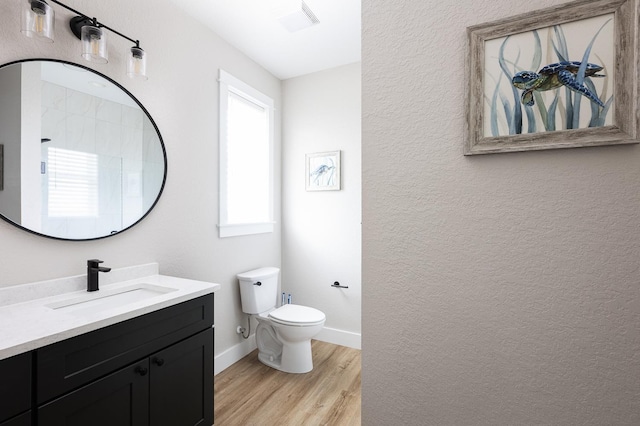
[80,157]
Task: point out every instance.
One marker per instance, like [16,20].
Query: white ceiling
[249,25]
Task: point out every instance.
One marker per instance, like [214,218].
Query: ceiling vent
[300,19]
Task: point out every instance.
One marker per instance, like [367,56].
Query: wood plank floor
[251,394]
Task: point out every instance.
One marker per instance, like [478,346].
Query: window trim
[229,83]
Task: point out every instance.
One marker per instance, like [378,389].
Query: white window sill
[245,229]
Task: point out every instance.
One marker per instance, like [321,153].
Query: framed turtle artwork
[323,171]
[562,77]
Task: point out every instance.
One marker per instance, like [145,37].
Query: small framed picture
[323,171]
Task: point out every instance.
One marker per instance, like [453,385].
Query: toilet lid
[296,314]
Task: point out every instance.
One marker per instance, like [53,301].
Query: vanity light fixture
[38,22]
[137,63]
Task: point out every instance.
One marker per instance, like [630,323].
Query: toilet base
[269,361]
[296,358]
[285,347]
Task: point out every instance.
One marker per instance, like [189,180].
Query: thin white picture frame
[323,171]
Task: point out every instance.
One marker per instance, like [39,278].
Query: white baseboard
[340,337]
[234,354]
[239,351]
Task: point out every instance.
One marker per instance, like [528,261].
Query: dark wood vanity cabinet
[171,387]
[153,370]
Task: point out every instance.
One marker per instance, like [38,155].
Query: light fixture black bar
[98,24]
[69,8]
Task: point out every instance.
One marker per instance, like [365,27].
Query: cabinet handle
[158,361]
[141,370]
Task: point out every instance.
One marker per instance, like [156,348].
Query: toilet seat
[297,315]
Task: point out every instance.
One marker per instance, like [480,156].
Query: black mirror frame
[164,151]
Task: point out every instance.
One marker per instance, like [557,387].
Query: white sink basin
[101,300]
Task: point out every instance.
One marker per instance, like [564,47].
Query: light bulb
[39,24]
[95,46]
[136,66]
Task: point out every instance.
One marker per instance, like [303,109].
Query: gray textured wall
[497,290]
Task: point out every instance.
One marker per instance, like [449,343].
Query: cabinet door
[15,385]
[121,398]
[181,383]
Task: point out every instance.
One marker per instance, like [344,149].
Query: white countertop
[30,324]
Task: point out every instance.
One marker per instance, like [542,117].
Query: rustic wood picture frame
[626,94]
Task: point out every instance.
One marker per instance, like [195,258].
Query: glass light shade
[37,20]
[137,63]
[94,44]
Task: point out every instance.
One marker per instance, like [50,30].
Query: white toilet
[284,334]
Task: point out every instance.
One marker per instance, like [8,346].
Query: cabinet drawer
[15,385]
[72,363]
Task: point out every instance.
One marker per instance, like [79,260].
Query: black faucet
[93,267]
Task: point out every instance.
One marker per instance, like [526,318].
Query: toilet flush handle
[257,283]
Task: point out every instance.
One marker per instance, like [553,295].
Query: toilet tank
[258,290]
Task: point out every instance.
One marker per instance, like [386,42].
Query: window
[246,159]
[73,183]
